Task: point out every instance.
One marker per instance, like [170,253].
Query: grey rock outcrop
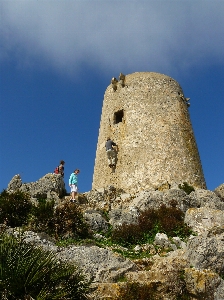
[219,293]
[204,219]
[119,217]
[154,199]
[197,268]
[15,183]
[50,186]
[207,252]
[96,222]
[179,196]
[99,264]
[164,274]
[99,199]
[219,191]
[147,199]
[200,198]
[202,284]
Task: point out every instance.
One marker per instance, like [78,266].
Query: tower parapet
[147,117]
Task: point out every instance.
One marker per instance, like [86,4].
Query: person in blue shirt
[73,183]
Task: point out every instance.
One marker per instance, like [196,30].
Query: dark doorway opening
[118,116]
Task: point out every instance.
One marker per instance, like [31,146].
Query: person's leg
[74,192]
[109,157]
[113,157]
[71,192]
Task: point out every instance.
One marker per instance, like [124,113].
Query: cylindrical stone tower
[147,117]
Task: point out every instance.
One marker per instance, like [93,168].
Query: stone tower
[147,116]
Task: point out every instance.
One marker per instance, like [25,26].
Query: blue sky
[58,57]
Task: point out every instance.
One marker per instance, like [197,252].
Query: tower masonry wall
[148,119]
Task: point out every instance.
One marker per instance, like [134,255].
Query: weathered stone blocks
[148,118]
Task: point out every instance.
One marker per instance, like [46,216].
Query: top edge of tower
[148,74]
[129,79]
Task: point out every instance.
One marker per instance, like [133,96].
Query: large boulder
[204,219]
[99,264]
[178,196]
[201,198]
[96,221]
[165,275]
[119,217]
[207,252]
[154,199]
[202,284]
[145,200]
[97,199]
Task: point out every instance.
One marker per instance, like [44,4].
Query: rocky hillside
[167,262]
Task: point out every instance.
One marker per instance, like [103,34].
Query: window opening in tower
[118,116]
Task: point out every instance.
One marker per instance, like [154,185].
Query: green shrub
[127,234]
[14,208]
[186,187]
[169,220]
[63,221]
[28,271]
[42,216]
[69,221]
[148,219]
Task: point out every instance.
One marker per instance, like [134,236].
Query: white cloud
[130,35]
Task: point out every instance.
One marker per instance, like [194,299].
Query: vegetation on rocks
[169,220]
[14,208]
[64,221]
[145,239]
[186,187]
[28,272]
